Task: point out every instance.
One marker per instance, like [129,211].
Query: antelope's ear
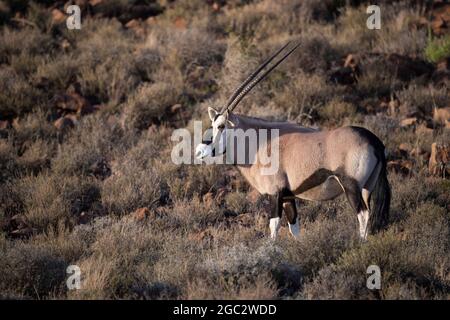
[212,113]
[232,124]
[232,121]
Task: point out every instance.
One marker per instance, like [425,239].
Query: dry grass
[70,196]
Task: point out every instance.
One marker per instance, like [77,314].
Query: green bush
[437,49]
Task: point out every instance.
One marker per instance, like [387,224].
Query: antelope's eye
[221,127]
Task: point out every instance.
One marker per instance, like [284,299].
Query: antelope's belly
[327,190]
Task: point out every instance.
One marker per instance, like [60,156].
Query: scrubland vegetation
[86,178]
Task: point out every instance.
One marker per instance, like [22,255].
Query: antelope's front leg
[275,217]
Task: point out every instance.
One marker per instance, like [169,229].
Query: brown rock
[65,44]
[205,235]
[441,115]
[175,108]
[64,123]
[134,23]
[4,124]
[216,6]
[151,21]
[136,26]
[418,151]
[220,195]
[438,164]
[180,23]
[95,2]
[408,122]
[22,233]
[253,196]
[208,198]
[58,16]
[440,18]
[394,105]
[72,101]
[404,147]
[142,214]
[351,61]
[423,129]
[401,166]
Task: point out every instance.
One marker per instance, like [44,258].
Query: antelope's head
[214,139]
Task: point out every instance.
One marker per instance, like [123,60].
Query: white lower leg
[363,219]
[295,229]
[274,226]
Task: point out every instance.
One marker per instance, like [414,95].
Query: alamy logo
[374,20]
[74,280]
[232,146]
[73,22]
[374,280]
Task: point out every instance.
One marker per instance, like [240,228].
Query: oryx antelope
[313,164]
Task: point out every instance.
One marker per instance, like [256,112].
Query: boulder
[142,214]
[408,122]
[58,16]
[72,102]
[64,123]
[403,167]
[441,115]
[439,163]
[4,124]
[440,18]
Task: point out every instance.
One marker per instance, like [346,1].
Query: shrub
[336,110]
[49,200]
[33,127]
[17,95]
[237,202]
[131,189]
[8,160]
[27,41]
[437,49]
[31,272]
[150,104]
[90,143]
[233,269]
[122,263]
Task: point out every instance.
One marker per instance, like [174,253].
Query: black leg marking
[290,207]
[276,206]
[353,193]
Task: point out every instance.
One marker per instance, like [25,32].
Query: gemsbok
[313,164]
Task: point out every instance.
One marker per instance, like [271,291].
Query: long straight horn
[252,75]
[256,80]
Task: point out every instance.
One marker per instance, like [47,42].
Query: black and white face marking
[213,144]
[207,141]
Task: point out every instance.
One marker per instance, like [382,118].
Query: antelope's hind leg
[358,199]
[290,209]
[293,219]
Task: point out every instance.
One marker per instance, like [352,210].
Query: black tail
[379,216]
